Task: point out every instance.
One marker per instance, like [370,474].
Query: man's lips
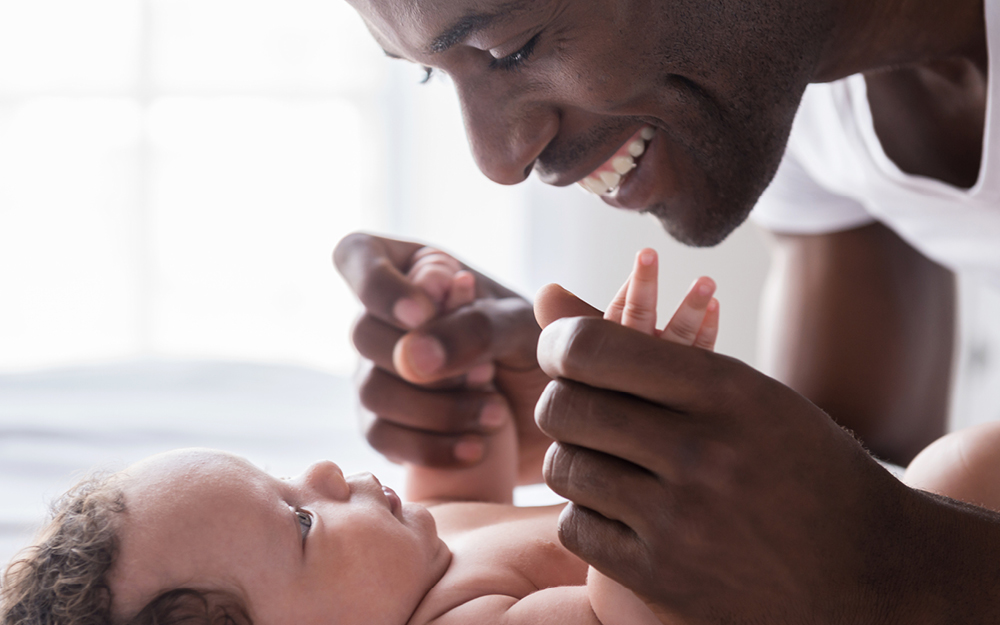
[609,176]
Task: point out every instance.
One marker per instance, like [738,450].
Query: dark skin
[716,493]
[859,322]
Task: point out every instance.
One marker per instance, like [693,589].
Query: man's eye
[516,59]
[305,522]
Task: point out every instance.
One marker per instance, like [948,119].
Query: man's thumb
[554,302]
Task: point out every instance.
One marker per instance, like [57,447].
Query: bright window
[174,175]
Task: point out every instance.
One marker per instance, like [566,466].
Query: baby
[205,537]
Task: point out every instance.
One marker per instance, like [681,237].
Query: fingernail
[493,414]
[706,288]
[647,257]
[426,355]
[469,450]
[409,312]
[480,374]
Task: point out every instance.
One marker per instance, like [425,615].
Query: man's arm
[863,325]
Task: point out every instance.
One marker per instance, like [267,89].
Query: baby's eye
[305,522]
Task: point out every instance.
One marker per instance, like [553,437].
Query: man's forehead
[432,26]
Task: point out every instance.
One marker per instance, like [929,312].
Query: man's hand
[721,496]
[422,383]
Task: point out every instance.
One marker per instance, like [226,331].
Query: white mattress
[57,425]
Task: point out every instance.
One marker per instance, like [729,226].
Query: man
[715,492]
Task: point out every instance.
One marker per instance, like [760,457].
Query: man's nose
[326,479]
[506,135]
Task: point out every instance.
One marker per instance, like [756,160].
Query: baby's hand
[442,278]
[450,287]
[696,321]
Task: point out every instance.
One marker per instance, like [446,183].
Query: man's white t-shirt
[835,176]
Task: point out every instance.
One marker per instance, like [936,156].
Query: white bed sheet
[55,426]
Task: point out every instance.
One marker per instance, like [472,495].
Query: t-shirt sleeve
[795,203]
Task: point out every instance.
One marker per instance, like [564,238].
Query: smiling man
[712,490]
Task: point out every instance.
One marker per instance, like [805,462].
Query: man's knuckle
[583,346]
[371,395]
[346,247]
[554,409]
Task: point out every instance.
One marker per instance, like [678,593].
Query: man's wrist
[940,565]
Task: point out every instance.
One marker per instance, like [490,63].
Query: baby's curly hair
[62,578]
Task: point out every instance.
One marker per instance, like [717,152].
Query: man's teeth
[606,182]
[610,178]
[623,164]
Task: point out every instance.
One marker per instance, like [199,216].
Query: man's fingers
[500,330]
[446,412]
[609,545]
[578,414]
[375,339]
[428,449]
[607,355]
[615,488]
[554,302]
[374,269]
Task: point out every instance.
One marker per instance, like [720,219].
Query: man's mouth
[608,177]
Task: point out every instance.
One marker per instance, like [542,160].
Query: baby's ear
[554,302]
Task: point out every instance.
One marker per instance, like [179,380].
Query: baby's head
[199,535]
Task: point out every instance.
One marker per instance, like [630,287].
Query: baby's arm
[695,323]
[963,465]
[493,479]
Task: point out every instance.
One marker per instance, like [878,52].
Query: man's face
[564,87]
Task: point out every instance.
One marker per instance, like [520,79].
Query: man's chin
[698,228]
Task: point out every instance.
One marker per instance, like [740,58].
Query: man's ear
[554,302]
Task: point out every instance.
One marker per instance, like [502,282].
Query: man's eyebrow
[473,23]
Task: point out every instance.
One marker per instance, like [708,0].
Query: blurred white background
[174,175]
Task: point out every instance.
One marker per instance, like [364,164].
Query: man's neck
[881,34]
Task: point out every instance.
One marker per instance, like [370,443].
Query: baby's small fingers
[709,330]
[640,300]
[684,326]
[433,271]
[462,290]
[617,305]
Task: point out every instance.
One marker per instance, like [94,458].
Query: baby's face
[319,548]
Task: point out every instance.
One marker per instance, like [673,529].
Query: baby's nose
[327,479]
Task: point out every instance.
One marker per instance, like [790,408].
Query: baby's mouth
[608,177]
